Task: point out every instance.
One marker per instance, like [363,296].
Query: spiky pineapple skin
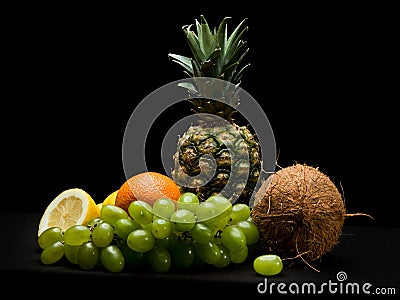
[237,158]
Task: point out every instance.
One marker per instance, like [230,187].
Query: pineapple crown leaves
[215,53]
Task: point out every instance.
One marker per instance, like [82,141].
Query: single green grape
[159,259]
[141,212]
[210,252]
[240,212]
[161,228]
[268,264]
[214,213]
[183,220]
[133,259]
[123,227]
[211,208]
[182,255]
[112,258]
[88,255]
[223,205]
[250,230]
[77,235]
[50,236]
[168,242]
[206,210]
[225,257]
[164,207]
[188,201]
[201,233]
[234,238]
[103,234]
[141,240]
[94,222]
[71,253]
[217,223]
[52,253]
[112,213]
[240,256]
[197,261]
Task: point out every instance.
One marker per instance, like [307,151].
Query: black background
[74,75]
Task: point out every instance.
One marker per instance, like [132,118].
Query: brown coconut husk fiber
[299,213]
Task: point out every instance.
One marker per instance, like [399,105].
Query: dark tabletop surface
[365,257]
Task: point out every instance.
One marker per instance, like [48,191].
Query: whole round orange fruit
[146,186]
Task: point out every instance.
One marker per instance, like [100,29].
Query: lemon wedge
[71,207]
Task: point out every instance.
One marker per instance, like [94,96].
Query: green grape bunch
[167,234]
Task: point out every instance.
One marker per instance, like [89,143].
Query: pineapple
[216,155]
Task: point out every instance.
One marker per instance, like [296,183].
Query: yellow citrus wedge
[110,198]
[71,207]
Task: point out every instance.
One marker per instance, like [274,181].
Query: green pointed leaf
[196,69]
[198,29]
[233,45]
[194,44]
[221,34]
[189,86]
[215,54]
[238,76]
[234,35]
[228,71]
[206,39]
[225,37]
[183,61]
[217,58]
[239,53]
[237,60]
[188,69]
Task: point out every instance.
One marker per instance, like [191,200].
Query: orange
[146,186]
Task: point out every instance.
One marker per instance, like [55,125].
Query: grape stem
[218,234]
[185,236]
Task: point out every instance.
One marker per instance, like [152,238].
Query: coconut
[299,213]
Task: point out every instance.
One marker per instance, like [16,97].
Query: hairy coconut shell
[299,211]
